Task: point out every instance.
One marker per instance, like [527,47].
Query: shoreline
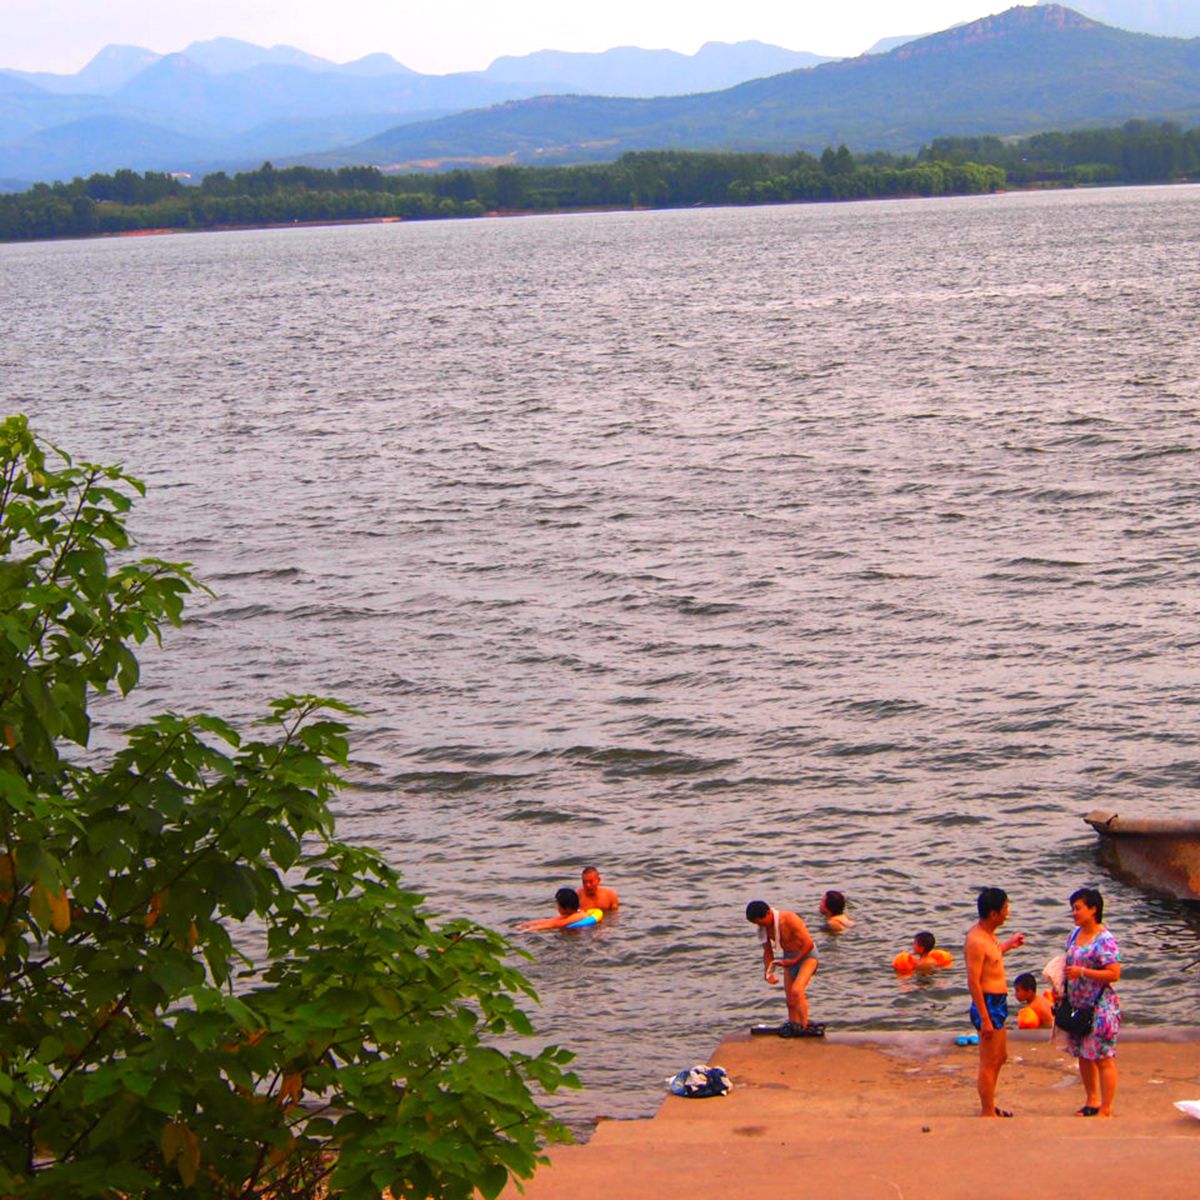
[876,1116]
[492,214]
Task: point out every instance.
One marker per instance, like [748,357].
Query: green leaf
[492,1180]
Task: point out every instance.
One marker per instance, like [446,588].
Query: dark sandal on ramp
[1003,1112]
[1088,1110]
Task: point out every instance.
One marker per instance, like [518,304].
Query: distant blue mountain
[113,67]
[888,44]
[95,143]
[1023,71]
[225,55]
[629,71]
[228,97]
[374,65]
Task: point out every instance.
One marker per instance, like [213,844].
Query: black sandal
[1087,1111]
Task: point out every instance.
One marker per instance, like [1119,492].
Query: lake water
[744,553]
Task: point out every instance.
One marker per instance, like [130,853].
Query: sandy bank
[863,1117]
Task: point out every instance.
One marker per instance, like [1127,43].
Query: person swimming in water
[833,909]
[569,913]
[592,895]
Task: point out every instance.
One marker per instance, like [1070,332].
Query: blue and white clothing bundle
[700,1082]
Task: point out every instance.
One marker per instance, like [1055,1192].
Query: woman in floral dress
[1093,966]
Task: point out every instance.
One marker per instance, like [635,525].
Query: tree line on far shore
[128,202]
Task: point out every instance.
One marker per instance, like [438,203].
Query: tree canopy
[144,1052]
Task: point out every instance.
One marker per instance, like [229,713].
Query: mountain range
[228,104]
[1022,71]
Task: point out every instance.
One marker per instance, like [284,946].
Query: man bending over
[787,944]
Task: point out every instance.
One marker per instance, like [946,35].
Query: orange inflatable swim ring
[908,962]
[1027,1018]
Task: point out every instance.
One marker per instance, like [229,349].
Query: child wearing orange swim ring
[924,957]
[1037,1011]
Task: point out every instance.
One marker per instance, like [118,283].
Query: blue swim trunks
[997,1006]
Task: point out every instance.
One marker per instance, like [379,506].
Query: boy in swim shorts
[988,986]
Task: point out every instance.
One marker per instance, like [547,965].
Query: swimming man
[988,986]
[592,895]
[787,944]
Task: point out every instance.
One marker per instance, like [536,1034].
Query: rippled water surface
[744,553]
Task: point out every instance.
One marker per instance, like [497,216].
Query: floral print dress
[1099,953]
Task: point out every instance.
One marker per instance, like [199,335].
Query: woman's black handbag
[1075,1020]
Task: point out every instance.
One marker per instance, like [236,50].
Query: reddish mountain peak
[1039,18]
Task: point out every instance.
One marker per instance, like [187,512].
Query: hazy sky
[459,35]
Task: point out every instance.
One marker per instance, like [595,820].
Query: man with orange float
[988,986]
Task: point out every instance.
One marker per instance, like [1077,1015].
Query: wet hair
[1092,898]
[1025,982]
[925,940]
[836,903]
[991,900]
[589,871]
[567,898]
[756,910]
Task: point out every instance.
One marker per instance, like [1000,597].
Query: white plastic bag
[1055,971]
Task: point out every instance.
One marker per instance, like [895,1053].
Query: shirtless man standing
[788,944]
[592,895]
[989,992]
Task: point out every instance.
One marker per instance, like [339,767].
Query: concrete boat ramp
[893,1117]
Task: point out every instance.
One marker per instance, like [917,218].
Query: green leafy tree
[143,1052]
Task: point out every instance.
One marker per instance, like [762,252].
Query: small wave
[1157,452]
[1044,562]
[262,573]
[881,708]
[549,816]
[950,819]
[644,762]
[690,606]
[244,612]
[1066,495]
[453,781]
[863,749]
